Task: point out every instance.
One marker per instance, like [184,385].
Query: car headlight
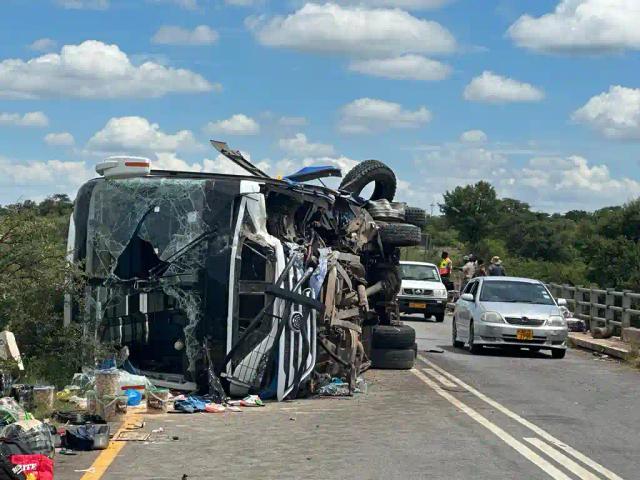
[492,317]
[556,321]
[442,293]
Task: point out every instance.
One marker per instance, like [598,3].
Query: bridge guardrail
[601,307]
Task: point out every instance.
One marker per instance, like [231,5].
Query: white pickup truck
[422,290]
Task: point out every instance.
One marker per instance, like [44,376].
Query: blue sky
[547,91]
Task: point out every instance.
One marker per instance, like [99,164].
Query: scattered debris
[335,388]
[131,436]
[215,408]
[248,401]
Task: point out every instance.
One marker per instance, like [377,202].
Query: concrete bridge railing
[609,310]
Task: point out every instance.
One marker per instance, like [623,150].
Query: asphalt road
[455,416]
[589,403]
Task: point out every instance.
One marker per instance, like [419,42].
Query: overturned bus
[270,285]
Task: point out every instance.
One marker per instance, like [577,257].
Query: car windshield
[419,272]
[515,292]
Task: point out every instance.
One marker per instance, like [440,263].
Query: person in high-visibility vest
[444,268]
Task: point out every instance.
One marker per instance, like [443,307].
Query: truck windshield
[419,272]
[515,292]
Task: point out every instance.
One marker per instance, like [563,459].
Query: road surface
[455,416]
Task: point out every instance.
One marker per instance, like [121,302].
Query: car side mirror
[468,297]
[562,302]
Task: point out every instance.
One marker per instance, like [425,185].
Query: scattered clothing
[191,404]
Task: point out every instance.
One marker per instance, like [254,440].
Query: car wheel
[399,234]
[454,335]
[371,171]
[415,216]
[427,316]
[473,348]
[558,353]
[393,359]
[439,317]
[393,336]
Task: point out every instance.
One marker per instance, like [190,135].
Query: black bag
[83,437]
[8,470]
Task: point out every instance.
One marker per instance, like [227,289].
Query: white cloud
[549,183]
[292,121]
[405,67]
[83,4]
[62,139]
[170,161]
[238,124]
[492,88]
[367,115]
[138,135]
[43,45]
[403,4]
[174,35]
[581,26]
[330,28]
[568,183]
[473,136]
[299,146]
[93,70]
[615,114]
[56,175]
[31,119]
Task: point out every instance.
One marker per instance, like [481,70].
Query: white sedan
[509,312]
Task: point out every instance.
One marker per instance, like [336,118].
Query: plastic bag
[335,388]
[11,411]
[32,436]
[33,467]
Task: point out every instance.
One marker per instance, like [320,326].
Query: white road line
[517,445]
[562,459]
[534,428]
[444,381]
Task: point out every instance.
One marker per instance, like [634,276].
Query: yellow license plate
[524,334]
[417,305]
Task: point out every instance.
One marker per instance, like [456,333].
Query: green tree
[471,210]
[34,276]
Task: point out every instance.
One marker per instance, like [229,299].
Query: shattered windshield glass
[154,234]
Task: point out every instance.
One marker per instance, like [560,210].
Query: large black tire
[399,234]
[439,317]
[415,216]
[393,336]
[371,171]
[558,354]
[393,359]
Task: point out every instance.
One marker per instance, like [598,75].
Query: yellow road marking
[108,455]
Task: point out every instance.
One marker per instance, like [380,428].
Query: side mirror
[468,297]
[562,302]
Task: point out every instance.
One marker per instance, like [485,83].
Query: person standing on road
[496,269]
[468,270]
[481,270]
[444,269]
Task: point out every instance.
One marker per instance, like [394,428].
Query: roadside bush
[34,276]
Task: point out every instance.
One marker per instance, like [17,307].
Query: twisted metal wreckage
[270,285]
